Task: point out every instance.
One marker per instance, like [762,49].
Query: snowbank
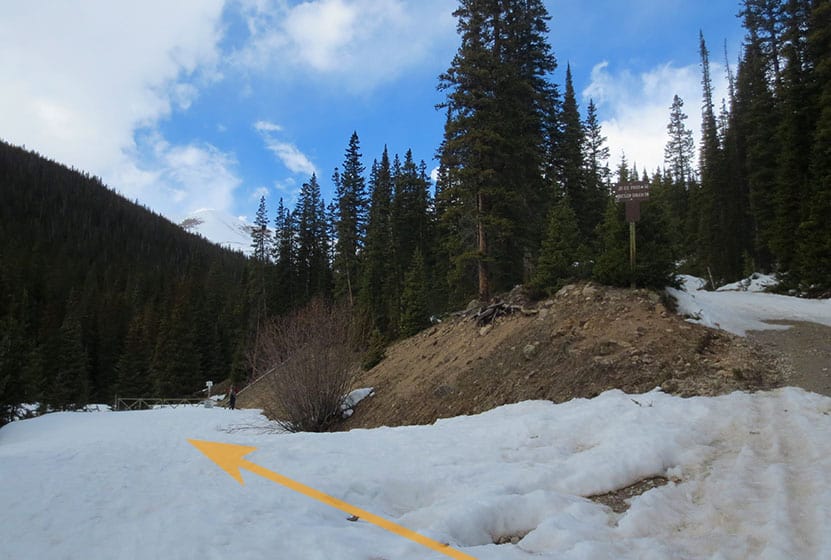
[751,479]
[741,311]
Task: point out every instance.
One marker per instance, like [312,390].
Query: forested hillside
[100,296]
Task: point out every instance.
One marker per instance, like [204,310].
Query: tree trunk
[484,284]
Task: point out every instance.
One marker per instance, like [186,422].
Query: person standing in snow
[232,398]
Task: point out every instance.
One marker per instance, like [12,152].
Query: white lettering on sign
[631,191]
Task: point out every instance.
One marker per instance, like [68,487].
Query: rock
[530,350]
[548,303]
[566,291]
[475,304]
[485,330]
[542,313]
[589,291]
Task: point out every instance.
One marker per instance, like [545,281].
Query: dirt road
[803,352]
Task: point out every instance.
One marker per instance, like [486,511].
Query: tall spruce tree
[494,140]
[711,232]
[350,190]
[813,264]
[312,264]
[795,134]
[379,297]
[763,18]
[572,179]
[260,235]
[680,149]
[285,273]
[597,172]
[410,220]
[756,121]
[679,177]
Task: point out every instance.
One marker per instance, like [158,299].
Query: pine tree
[612,266]
[415,307]
[260,235]
[560,254]
[763,18]
[68,384]
[494,140]
[679,151]
[711,221]
[379,296]
[814,257]
[678,157]
[410,220]
[756,122]
[284,258]
[312,262]
[597,173]
[795,132]
[132,368]
[571,153]
[350,189]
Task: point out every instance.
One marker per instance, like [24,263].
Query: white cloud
[290,155]
[634,108]
[266,126]
[258,193]
[357,43]
[82,78]
[295,160]
[179,179]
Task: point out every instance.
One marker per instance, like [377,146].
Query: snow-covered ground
[750,478]
[746,309]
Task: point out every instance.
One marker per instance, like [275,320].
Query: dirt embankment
[583,341]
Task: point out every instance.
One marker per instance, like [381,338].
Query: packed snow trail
[750,478]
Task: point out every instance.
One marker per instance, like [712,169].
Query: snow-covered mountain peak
[221,228]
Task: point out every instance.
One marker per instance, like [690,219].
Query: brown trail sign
[632,193]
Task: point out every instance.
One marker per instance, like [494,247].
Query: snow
[741,311]
[351,400]
[220,228]
[756,282]
[751,478]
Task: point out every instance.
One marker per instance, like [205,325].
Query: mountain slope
[98,295]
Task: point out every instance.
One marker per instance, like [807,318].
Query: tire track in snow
[774,490]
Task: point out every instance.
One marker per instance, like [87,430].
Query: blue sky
[211,103]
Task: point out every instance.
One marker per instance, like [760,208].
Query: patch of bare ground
[618,500]
[583,341]
[803,353]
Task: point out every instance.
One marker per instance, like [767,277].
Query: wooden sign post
[632,193]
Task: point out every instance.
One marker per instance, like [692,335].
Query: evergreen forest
[100,296]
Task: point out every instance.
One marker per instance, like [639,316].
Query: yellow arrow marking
[230,458]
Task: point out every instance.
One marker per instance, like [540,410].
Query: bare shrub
[310,362]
